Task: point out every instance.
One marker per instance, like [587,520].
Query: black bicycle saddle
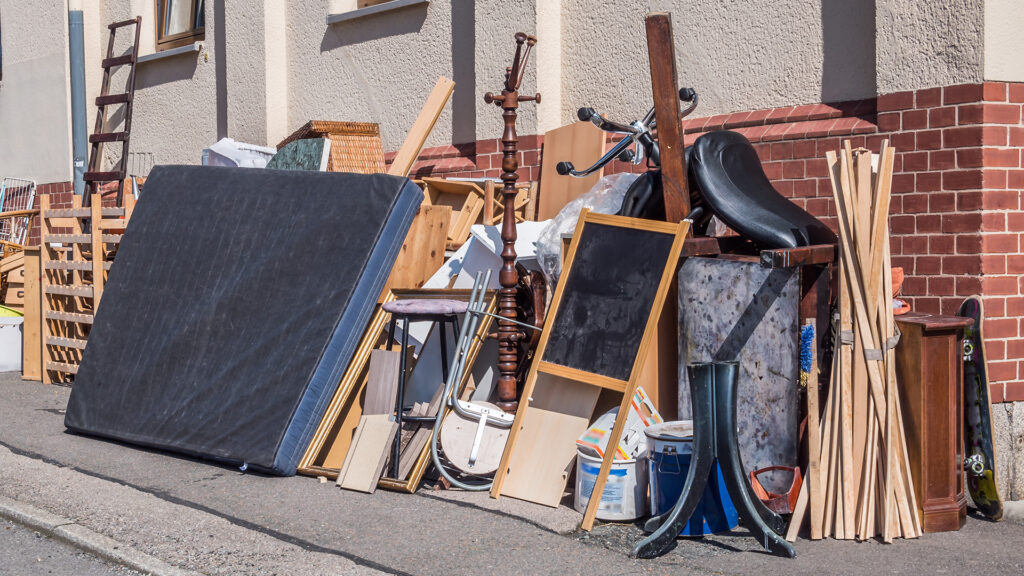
[726,170]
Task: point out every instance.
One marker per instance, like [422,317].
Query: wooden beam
[662,55]
[417,137]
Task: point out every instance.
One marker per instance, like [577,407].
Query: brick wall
[957,222]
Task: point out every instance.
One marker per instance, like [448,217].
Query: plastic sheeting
[236,301]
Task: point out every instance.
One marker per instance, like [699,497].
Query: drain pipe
[79,134]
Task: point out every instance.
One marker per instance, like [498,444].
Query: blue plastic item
[669,450]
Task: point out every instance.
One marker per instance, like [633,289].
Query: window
[179,22]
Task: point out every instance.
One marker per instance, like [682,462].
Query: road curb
[81,537]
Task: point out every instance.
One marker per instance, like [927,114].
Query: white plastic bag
[605,197]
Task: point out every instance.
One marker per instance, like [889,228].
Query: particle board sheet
[559,413]
[730,310]
[238,299]
[581,143]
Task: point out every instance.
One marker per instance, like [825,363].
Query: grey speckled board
[308,154]
[731,310]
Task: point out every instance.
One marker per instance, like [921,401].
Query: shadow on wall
[374,27]
[848,50]
[464,98]
[157,72]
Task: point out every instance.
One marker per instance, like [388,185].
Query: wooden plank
[421,128]
[81,238]
[69,317]
[466,200]
[97,250]
[65,367]
[82,291]
[581,376]
[814,442]
[422,252]
[84,266]
[581,143]
[382,382]
[365,460]
[32,353]
[66,342]
[664,83]
[802,256]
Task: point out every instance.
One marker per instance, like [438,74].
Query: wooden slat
[85,266]
[69,317]
[417,137]
[81,238]
[108,212]
[66,342]
[31,349]
[62,367]
[85,291]
[123,23]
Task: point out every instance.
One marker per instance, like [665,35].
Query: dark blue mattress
[235,304]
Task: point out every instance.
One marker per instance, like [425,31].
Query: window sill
[186,49]
[385,7]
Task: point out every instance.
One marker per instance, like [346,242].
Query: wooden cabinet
[929,371]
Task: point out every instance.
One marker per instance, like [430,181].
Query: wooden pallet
[77,249]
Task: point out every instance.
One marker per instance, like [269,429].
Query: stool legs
[400,402]
[713,397]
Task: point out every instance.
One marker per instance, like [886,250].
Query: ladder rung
[64,265]
[62,367]
[118,61]
[113,99]
[69,317]
[66,342]
[123,23]
[108,137]
[101,176]
[84,291]
[107,212]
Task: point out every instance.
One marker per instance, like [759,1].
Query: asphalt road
[25,552]
[220,521]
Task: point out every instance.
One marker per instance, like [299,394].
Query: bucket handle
[670,450]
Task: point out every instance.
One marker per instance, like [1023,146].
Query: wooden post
[665,85]
[508,334]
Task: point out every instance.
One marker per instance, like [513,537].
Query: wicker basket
[355,146]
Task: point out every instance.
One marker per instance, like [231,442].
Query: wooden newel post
[508,334]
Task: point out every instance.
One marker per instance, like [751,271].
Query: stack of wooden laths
[859,481]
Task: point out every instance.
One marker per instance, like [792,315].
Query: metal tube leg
[400,402]
[391,333]
[727,376]
[732,470]
[701,467]
[444,351]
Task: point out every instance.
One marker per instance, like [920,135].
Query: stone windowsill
[360,12]
[186,49]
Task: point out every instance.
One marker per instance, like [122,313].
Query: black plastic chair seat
[724,167]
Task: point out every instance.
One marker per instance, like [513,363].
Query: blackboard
[607,299]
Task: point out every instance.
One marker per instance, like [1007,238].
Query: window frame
[166,42]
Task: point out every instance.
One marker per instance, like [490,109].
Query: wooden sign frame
[345,404]
[573,375]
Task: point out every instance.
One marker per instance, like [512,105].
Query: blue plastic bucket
[669,450]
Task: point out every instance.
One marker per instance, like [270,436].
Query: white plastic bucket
[625,492]
[10,343]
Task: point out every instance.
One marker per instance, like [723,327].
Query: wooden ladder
[73,267]
[94,177]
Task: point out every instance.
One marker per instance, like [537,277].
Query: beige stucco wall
[35,118]
[921,43]
[1004,40]
[738,55]
[175,111]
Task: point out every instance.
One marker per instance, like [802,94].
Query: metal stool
[419,310]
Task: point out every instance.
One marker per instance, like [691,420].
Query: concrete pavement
[216,520]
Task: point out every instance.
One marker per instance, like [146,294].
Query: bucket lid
[676,430]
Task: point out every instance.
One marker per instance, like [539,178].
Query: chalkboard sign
[607,298]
